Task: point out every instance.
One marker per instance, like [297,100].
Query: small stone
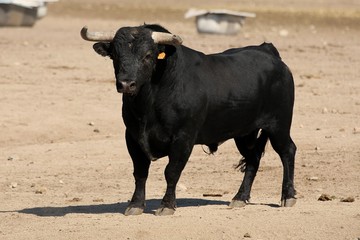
[75,199]
[13,158]
[313,178]
[96,130]
[325,197]
[325,110]
[283,33]
[91,124]
[356,130]
[13,185]
[212,195]
[317,148]
[348,200]
[301,85]
[41,190]
[246,35]
[247,235]
[61,181]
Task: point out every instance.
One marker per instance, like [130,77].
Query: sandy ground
[65,172]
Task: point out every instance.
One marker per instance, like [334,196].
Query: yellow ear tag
[161,55]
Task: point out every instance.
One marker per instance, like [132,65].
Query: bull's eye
[148,57]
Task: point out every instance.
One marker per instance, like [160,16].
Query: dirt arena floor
[64,168]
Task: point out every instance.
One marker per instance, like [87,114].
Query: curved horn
[166,38]
[96,36]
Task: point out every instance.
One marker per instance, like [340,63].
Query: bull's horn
[166,38]
[96,36]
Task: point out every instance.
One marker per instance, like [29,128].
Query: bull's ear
[102,48]
[167,49]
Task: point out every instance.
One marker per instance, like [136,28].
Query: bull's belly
[226,126]
[217,135]
[217,127]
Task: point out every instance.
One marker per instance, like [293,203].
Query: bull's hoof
[237,204]
[164,211]
[290,202]
[133,211]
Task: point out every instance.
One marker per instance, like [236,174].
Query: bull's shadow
[151,206]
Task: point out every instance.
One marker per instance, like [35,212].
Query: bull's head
[134,51]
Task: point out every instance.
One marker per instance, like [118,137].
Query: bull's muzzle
[126,87]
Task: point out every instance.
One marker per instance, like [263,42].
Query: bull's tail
[259,149]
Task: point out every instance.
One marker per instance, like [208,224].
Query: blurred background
[329,11]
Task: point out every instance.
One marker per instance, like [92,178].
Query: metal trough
[218,21]
[22,12]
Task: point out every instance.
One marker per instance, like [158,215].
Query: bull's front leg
[178,156]
[141,171]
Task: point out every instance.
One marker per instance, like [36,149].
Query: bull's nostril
[119,85]
[132,85]
[126,86]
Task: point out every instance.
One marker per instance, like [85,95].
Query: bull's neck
[139,104]
[167,72]
[164,79]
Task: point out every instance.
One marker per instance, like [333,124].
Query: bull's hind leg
[285,147]
[252,149]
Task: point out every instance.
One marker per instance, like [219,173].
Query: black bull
[175,97]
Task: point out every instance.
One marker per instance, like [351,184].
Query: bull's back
[239,85]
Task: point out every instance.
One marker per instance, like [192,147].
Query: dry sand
[65,172]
